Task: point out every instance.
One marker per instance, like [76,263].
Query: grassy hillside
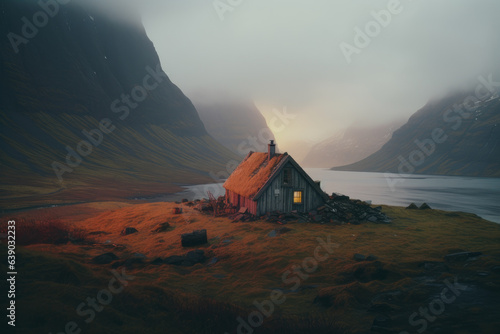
[244,264]
[82,68]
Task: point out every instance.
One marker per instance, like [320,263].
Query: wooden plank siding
[283,202]
[241,201]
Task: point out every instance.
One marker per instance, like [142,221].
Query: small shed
[266,182]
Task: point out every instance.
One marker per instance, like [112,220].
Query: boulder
[194,238]
[382,321]
[279,231]
[462,256]
[425,206]
[359,257]
[162,227]
[105,258]
[412,206]
[176,211]
[196,256]
[128,263]
[174,259]
[128,230]
[188,260]
[381,324]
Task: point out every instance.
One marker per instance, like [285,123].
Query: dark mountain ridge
[91,88]
[456,135]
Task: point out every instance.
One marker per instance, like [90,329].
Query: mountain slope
[443,138]
[351,145]
[86,112]
[237,125]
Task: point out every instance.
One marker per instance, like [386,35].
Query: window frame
[301,197]
[287,177]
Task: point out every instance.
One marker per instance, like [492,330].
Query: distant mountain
[443,138]
[87,113]
[350,145]
[237,125]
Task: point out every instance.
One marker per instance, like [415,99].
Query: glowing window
[297,197]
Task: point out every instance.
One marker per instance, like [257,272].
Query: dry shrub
[218,206]
[45,231]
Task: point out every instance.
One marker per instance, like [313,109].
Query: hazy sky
[287,54]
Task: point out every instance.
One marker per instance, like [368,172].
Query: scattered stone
[242,217]
[382,321]
[412,206]
[340,198]
[194,238]
[128,263]
[440,267]
[105,258]
[381,324]
[213,261]
[425,206]
[371,258]
[157,261]
[184,200]
[462,256]
[196,256]
[482,273]
[188,260]
[243,210]
[495,269]
[99,233]
[317,218]
[202,207]
[174,260]
[162,227]
[279,231]
[359,257]
[128,231]
[337,210]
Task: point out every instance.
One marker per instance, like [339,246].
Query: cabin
[267,182]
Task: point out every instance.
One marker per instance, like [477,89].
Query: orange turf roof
[253,173]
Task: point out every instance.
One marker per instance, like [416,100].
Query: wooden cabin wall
[284,201]
[241,201]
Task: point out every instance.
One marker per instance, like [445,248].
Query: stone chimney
[271,150]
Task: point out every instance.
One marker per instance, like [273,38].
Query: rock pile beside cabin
[339,209]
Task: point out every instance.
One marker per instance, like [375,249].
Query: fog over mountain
[288,54]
